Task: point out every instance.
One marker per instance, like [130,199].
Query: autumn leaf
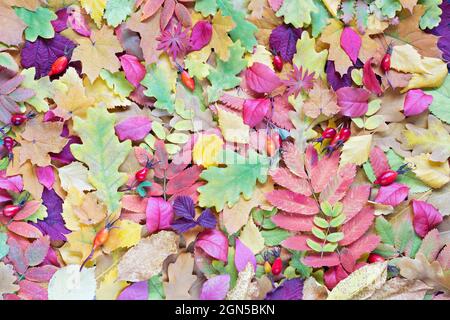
[180,278]
[95,9]
[13,34]
[321,101]
[310,59]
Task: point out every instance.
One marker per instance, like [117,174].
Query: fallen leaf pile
[224,150]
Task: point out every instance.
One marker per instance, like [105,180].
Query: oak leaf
[180,278]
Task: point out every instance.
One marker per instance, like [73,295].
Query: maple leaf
[38,23]
[174,40]
[298,82]
[308,58]
[297,12]
[85,207]
[220,41]
[321,100]
[39,139]
[98,52]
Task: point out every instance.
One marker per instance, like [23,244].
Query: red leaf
[285,178]
[370,81]
[392,194]
[339,184]
[378,161]
[416,102]
[293,222]
[351,43]
[293,158]
[353,101]
[36,251]
[292,202]
[159,214]
[191,191]
[163,158]
[365,244]
[16,255]
[333,276]
[24,229]
[426,217]
[296,243]
[355,199]
[28,209]
[214,243]
[323,171]
[357,226]
[183,180]
[255,110]
[201,35]
[41,274]
[261,79]
[134,203]
[325,260]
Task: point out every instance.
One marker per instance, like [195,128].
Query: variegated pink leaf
[365,244]
[355,199]
[318,260]
[285,178]
[378,161]
[339,184]
[357,226]
[392,194]
[293,222]
[323,171]
[292,202]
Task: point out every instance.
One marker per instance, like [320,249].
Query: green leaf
[206,7]
[362,14]
[319,19]
[244,30]
[223,77]
[38,23]
[289,272]
[308,58]
[117,82]
[386,250]
[441,96]
[385,231]
[275,236]
[320,222]
[335,237]
[7,61]
[297,12]
[296,262]
[141,188]
[314,245]
[42,89]
[318,233]
[326,208]
[40,214]
[337,209]
[403,234]
[432,15]
[348,9]
[415,246]
[102,152]
[225,185]
[117,11]
[156,288]
[231,268]
[336,222]
[4,163]
[4,248]
[388,7]
[329,247]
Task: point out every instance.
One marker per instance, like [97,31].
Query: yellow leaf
[206,150]
[406,59]
[331,35]
[74,175]
[332,6]
[109,288]
[30,181]
[233,127]
[356,150]
[361,284]
[102,95]
[127,234]
[195,62]
[436,72]
[308,58]
[95,9]
[251,237]
[98,52]
[220,41]
[434,174]
[80,208]
[261,55]
[79,245]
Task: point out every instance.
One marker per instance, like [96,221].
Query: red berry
[386,178]
[344,134]
[329,133]
[9,143]
[373,258]
[141,175]
[187,80]
[10,210]
[277,266]
[278,63]
[386,62]
[59,66]
[18,119]
[271,148]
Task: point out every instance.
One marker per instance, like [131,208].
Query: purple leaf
[207,219]
[214,243]
[60,24]
[255,110]
[426,217]
[159,214]
[393,194]
[43,52]
[216,288]
[136,291]
[182,225]
[243,256]
[174,40]
[46,176]
[53,225]
[201,35]
[353,101]
[261,79]
[291,289]
[283,40]
[133,68]
[65,156]
[183,206]
[416,102]
[351,43]
[335,79]
[133,128]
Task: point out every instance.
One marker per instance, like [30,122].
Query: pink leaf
[32,291]
[24,229]
[378,161]
[347,259]
[78,23]
[296,243]
[325,260]
[183,180]
[416,102]
[355,199]
[255,110]
[285,178]
[365,244]
[159,214]
[426,217]
[133,68]
[216,288]
[201,35]
[28,209]
[353,101]
[166,13]
[357,226]
[46,176]
[339,184]
[183,15]
[133,128]
[351,43]
[275,4]
[41,274]
[36,252]
[333,276]
[293,222]
[214,243]
[261,79]
[14,183]
[322,172]
[293,158]
[281,110]
[392,194]
[292,202]
[370,81]
[243,256]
